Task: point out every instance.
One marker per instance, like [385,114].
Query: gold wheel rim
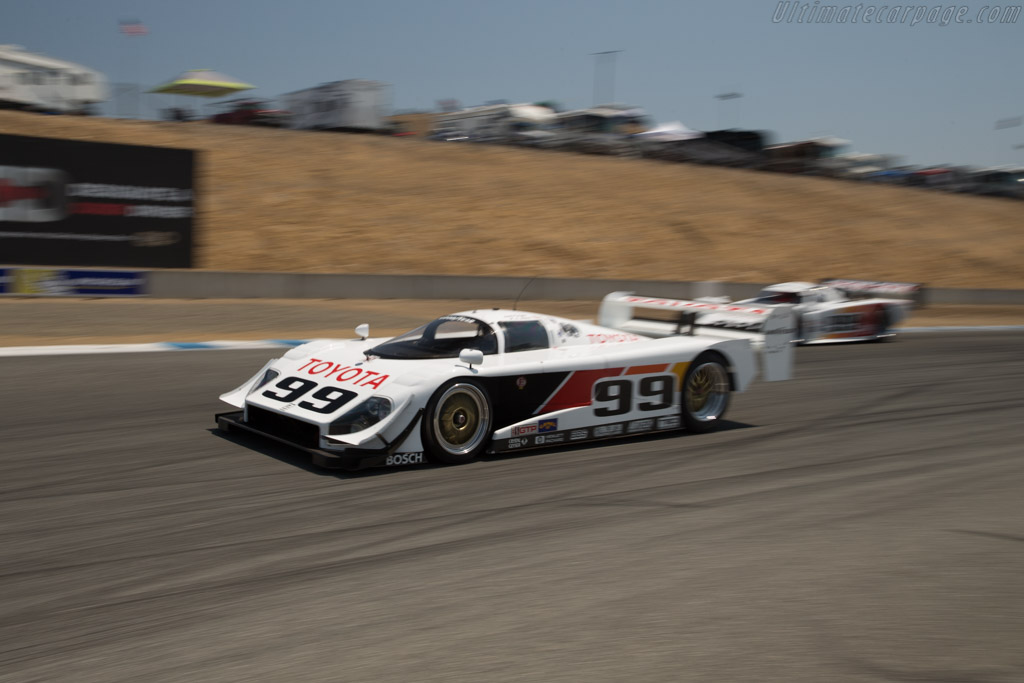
[459,419]
[706,392]
[462,419]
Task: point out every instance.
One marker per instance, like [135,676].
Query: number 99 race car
[831,311]
[504,380]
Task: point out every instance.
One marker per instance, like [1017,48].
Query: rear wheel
[705,393]
[881,332]
[457,422]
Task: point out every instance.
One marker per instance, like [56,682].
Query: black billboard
[72,203]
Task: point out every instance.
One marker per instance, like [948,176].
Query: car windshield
[768,296]
[441,338]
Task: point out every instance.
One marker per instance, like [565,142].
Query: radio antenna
[523,291]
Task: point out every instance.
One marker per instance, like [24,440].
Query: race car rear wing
[857,289]
[771,330]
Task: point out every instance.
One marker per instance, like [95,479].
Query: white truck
[38,83]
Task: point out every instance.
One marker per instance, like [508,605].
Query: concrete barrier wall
[183,284]
[203,284]
[198,284]
[986,297]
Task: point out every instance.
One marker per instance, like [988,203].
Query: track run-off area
[862,522]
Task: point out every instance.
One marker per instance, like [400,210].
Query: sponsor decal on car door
[625,400]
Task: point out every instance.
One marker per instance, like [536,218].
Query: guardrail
[206,284]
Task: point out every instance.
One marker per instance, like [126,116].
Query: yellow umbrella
[203,83]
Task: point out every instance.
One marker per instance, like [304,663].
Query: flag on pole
[133,27]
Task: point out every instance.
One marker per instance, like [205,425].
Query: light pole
[608,57]
[727,96]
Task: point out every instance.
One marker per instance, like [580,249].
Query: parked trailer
[501,123]
[354,104]
[39,83]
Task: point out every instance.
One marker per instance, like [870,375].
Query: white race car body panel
[573,381]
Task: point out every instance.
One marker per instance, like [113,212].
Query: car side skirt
[609,430]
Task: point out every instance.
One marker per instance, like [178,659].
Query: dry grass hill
[322,202]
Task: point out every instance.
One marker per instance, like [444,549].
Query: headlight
[363,416]
[268,377]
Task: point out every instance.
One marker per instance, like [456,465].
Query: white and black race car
[504,380]
[827,311]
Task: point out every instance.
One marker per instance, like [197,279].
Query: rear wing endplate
[770,329]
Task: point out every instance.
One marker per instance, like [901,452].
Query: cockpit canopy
[446,336]
[441,338]
[796,293]
[769,296]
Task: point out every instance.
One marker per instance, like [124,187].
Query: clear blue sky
[928,92]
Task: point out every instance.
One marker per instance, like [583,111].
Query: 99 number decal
[615,396]
[296,387]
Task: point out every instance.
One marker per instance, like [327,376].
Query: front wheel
[457,422]
[705,393]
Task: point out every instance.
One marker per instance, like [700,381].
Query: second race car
[828,311]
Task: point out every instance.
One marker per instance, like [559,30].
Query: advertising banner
[73,203]
[65,282]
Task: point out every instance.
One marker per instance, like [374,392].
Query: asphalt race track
[864,522]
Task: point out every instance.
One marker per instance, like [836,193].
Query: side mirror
[363,331]
[471,357]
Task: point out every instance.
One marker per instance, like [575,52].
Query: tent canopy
[203,83]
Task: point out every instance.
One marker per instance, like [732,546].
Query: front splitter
[350,459]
